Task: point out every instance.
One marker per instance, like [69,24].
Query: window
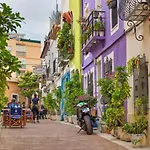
[108,66]
[16,96]
[90,83]
[23,63]
[55,67]
[20,50]
[8,48]
[20,53]
[114,16]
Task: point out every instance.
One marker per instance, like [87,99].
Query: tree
[50,103]
[9,21]
[72,92]
[28,84]
[57,95]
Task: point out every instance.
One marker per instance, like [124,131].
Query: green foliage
[50,103]
[99,25]
[65,41]
[132,63]
[137,127]
[72,92]
[107,87]
[90,100]
[117,90]
[9,21]
[141,106]
[57,95]
[28,84]
[3,102]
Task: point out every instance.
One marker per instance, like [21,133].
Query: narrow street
[48,135]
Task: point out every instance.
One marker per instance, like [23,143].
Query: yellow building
[28,52]
[75,63]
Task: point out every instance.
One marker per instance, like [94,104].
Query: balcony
[93,30]
[134,12]
[63,59]
[55,68]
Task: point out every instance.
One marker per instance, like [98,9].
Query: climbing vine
[65,41]
[72,92]
[133,63]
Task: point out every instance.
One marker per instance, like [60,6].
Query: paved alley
[49,135]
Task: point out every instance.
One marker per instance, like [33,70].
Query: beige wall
[33,52]
[13,89]
[32,58]
[135,48]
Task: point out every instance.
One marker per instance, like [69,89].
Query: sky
[36,14]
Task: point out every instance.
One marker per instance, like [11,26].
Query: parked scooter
[84,118]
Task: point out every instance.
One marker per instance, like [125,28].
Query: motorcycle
[84,118]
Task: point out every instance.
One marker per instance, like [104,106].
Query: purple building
[101,52]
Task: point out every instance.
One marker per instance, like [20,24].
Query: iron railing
[134,12]
[93,25]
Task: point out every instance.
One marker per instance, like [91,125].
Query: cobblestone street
[50,135]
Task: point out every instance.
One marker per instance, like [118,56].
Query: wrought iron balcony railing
[93,28]
[135,12]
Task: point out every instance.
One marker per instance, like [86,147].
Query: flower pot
[124,136]
[112,4]
[114,132]
[137,140]
[70,119]
[95,33]
[70,51]
[53,117]
[101,33]
[101,126]
[74,119]
[96,14]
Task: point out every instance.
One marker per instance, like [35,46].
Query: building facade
[104,47]
[51,77]
[136,23]
[28,52]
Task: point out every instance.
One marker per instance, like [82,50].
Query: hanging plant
[111,3]
[133,63]
[65,41]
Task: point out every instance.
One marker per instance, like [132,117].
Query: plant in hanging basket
[111,3]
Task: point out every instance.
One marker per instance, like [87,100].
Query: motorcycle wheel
[88,124]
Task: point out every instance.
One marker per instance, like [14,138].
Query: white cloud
[36,14]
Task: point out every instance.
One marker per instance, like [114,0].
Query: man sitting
[13,104]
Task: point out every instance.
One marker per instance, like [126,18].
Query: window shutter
[90,84]
[140,84]
[136,83]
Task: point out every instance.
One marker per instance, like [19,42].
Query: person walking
[35,108]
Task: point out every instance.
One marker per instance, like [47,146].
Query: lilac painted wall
[110,39]
[115,42]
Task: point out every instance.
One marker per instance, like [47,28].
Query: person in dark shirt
[35,108]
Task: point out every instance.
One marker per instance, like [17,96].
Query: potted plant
[137,130]
[84,38]
[111,3]
[99,28]
[91,101]
[116,92]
